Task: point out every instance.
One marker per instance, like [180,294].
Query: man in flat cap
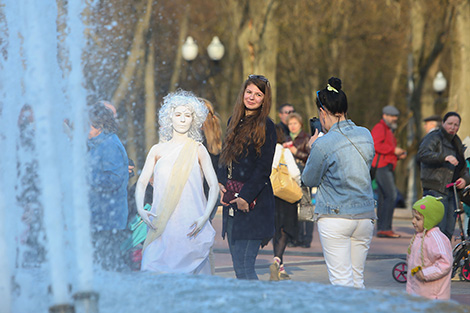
[386,156]
[431,123]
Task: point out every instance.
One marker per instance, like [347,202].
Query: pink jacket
[437,267]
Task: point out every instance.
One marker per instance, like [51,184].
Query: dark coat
[285,129]
[108,179]
[436,173]
[254,171]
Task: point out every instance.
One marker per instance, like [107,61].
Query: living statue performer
[179,237]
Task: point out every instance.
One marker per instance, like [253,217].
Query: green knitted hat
[432,209]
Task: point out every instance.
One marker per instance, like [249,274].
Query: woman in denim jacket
[339,165]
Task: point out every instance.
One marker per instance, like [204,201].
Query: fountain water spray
[36,77]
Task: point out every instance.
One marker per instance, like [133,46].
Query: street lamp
[215,49]
[208,66]
[439,83]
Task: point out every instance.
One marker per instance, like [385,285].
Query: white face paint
[182,118]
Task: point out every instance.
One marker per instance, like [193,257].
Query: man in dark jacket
[284,111]
[386,156]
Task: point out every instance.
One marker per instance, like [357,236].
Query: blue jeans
[387,192]
[244,253]
[447,224]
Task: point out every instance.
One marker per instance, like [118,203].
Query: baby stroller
[399,272]
[461,251]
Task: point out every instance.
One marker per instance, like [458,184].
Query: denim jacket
[340,172]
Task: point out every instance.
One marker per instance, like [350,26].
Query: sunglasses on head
[319,101]
[260,77]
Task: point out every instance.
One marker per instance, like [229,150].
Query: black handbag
[373,169]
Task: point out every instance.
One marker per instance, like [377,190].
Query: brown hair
[212,130]
[297,116]
[245,130]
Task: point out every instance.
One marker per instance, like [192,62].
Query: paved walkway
[307,264]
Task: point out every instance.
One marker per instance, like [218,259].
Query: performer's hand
[242,205]
[144,214]
[197,226]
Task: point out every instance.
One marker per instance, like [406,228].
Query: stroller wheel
[466,271]
[399,272]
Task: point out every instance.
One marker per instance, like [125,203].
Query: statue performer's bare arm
[143,181]
[211,178]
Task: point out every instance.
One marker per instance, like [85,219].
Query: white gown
[174,251]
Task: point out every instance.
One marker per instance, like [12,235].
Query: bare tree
[459,95]
[257,38]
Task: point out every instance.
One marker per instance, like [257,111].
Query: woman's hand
[293,149]
[197,226]
[242,205]
[222,193]
[452,160]
[313,138]
[145,217]
[460,183]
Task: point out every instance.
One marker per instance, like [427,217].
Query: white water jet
[33,75]
[10,94]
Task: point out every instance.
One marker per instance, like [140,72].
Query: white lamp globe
[189,49]
[440,82]
[216,49]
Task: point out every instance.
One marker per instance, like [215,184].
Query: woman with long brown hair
[246,160]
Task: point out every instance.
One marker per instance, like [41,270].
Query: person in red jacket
[386,156]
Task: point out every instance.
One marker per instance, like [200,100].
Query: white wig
[189,100]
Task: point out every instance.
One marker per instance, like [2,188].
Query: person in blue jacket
[107,181]
[339,165]
[245,166]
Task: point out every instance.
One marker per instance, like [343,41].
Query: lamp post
[215,52]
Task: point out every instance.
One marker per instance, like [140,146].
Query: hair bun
[335,83]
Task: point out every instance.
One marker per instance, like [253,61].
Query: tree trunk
[427,44]
[150,101]
[136,54]
[258,40]
[459,94]
[179,58]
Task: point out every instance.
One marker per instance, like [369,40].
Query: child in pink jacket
[430,252]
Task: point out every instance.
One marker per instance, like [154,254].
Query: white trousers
[345,244]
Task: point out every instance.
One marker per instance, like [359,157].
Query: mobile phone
[315,124]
